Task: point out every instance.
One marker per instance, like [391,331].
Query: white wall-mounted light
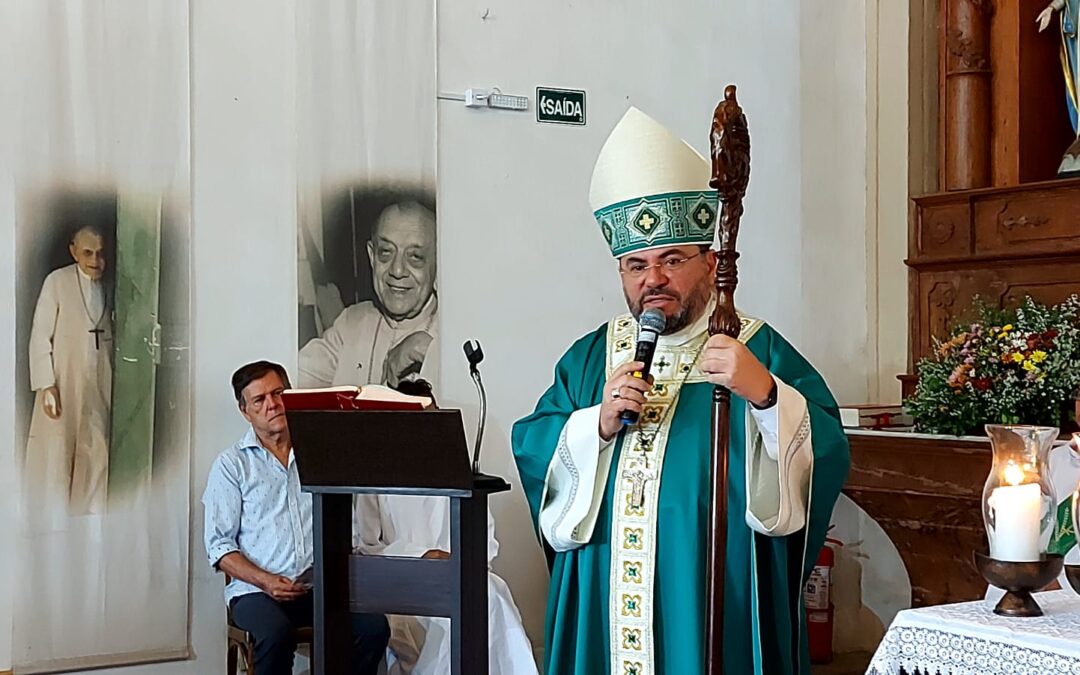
[475,97]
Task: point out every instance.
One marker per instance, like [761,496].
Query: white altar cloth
[969,639]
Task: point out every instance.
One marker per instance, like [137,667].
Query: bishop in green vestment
[624,509]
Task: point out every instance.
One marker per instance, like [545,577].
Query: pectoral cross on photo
[97,336]
[638,473]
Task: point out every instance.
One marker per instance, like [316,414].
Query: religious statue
[1070,164]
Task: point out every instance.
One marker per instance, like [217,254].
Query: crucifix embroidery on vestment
[638,473]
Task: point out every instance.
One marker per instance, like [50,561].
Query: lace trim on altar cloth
[933,652]
[968,639]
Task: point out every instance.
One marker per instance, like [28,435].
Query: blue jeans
[273,624]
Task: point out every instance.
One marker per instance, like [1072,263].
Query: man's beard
[690,308]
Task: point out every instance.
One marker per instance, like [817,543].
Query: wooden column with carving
[965,94]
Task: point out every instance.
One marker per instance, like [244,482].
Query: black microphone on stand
[475,355]
[651,323]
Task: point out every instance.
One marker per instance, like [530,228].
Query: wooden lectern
[342,453]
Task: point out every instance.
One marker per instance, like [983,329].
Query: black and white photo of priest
[385,335]
[102,426]
[70,358]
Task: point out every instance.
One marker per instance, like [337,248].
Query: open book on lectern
[368,397]
[349,444]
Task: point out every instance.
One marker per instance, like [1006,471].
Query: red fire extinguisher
[817,597]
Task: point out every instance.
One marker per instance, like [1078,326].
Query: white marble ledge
[855,431]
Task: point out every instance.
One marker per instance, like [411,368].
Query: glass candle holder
[1019,505]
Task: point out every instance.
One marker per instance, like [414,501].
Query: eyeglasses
[668,266]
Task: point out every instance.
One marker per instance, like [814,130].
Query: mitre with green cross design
[650,189]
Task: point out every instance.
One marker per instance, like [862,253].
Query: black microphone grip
[646,347]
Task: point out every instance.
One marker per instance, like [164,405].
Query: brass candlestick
[1019,580]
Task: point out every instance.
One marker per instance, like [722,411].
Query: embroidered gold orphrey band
[637,492]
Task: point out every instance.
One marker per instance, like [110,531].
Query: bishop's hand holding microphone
[624,393]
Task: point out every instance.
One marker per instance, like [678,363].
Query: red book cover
[371,397]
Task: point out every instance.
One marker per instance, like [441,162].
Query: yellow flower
[1006,328]
[1017,357]
[1029,366]
[1038,356]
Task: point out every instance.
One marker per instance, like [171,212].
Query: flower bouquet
[1018,366]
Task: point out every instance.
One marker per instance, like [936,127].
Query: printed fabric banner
[100,169]
[368,301]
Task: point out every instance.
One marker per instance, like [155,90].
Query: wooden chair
[239,644]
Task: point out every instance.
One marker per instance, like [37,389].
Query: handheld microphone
[475,354]
[652,323]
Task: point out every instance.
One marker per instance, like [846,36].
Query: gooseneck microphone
[651,324]
[475,355]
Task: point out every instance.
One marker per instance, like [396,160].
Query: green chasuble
[644,562]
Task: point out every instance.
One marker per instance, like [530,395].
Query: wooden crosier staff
[729,142]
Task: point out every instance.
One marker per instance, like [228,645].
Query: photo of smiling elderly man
[384,336]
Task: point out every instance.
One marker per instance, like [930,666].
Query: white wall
[8,118]
[7,360]
[522,265]
[888,117]
[834,290]
[871,581]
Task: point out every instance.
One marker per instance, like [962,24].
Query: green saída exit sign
[560,106]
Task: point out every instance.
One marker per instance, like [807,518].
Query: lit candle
[1016,508]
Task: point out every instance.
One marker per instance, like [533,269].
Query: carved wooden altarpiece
[1000,226]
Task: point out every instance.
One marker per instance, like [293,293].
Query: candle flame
[1013,474]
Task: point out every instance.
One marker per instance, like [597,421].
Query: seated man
[258,531]
[400,525]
